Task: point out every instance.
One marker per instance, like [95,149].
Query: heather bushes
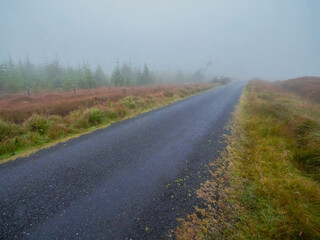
[44,126]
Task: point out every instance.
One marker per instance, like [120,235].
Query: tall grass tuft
[38,123]
[95,116]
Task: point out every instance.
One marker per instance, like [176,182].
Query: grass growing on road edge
[269,184]
[41,130]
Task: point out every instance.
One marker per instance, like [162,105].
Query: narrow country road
[131,180]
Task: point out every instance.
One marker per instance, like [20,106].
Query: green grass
[277,164]
[272,188]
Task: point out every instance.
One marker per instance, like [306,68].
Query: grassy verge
[269,185]
[38,130]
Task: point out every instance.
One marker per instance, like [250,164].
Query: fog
[241,39]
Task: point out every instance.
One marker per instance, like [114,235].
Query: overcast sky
[242,38]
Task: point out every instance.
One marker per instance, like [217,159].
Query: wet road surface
[127,181]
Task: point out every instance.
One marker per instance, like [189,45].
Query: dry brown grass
[18,107]
[30,122]
[211,222]
[307,87]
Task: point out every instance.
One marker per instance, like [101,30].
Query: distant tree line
[15,77]
[126,75]
[21,75]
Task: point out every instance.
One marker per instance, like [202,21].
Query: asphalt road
[127,181]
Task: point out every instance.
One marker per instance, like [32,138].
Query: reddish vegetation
[18,107]
[308,87]
[28,122]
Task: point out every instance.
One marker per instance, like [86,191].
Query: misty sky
[243,39]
